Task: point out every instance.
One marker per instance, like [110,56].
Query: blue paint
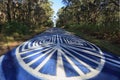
[14,70]
[50,66]
[29,53]
[79,65]
[26,46]
[33,51]
[63,40]
[69,70]
[88,55]
[27,60]
[94,65]
[20,48]
[87,45]
[34,65]
[9,67]
[109,72]
[83,48]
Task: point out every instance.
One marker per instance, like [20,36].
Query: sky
[57,4]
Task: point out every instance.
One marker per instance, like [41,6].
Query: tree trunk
[9,10]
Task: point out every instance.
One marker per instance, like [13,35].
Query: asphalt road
[58,55]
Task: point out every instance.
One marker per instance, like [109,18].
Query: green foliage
[24,16]
[30,12]
[106,45]
[111,33]
[98,18]
[16,28]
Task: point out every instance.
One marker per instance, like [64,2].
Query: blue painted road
[58,55]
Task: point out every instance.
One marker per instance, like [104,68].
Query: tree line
[22,16]
[99,18]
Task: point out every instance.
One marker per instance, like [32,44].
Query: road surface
[58,55]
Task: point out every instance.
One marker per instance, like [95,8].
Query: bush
[109,32]
[11,28]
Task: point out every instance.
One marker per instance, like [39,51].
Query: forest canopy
[99,18]
[24,15]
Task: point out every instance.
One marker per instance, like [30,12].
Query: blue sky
[57,4]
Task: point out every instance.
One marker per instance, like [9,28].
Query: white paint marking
[30,50]
[60,67]
[58,42]
[113,64]
[36,53]
[37,43]
[29,45]
[82,47]
[45,61]
[23,46]
[61,40]
[33,61]
[52,39]
[65,40]
[84,56]
[73,65]
[2,77]
[98,55]
[81,62]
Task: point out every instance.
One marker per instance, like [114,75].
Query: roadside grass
[103,44]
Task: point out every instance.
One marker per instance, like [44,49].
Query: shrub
[11,28]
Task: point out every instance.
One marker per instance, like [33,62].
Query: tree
[33,13]
[95,17]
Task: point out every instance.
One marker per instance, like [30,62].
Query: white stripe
[33,61]
[115,61]
[44,62]
[23,46]
[107,55]
[98,55]
[89,52]
[32,49]
[54,39]
[91,46]
[29,44]
[85,56]
[81,62]
[58,40]
[82,47]
[51,39]
[37,43]
[65,40]
[34,44]
[36,53]
[44,41]
[60,67]
[113,64]
[86,51]
[2,77]
[61,40]
[73,65]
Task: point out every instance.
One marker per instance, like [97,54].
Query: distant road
[58,55]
